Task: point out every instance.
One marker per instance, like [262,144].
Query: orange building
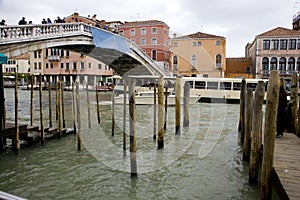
[238,68]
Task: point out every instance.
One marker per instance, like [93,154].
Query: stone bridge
[122,55]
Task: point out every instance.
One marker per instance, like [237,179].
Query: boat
[220,90]
[147,98]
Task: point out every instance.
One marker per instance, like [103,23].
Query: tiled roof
[280,31]
[139,23]
[238,59]
[199,35]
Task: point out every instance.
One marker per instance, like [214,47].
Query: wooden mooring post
[241,127]
[88,105]
[154,112]
[56,97]
[17,140]
[256,139]
[132,114]
[31,101]
[113,110]
[293,105]
[177,105]
[186,102]
[124,116]
[248,124]
[60,124]
[166,107]
[62,103]
[41,111]
[78,116]
[50,102]
[74,109]
[269,134]
[160,123]
[97,104]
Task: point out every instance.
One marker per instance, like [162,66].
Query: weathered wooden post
[74,109]
[50,103]
[166,107]
[241,127]
[88,105]
[186,103]
[269,134]
[17,140]
[256,139]
[132,114]
[248,124]
[177,105]
[97,102]
[41,112]
[161,109]
[31,101]
[113,110]
[124,117]
[78,116]
[292,128]
[62,103]
[154,112]
[60,124]
[57,97]
[2,123]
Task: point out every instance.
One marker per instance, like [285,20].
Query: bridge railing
[27,32]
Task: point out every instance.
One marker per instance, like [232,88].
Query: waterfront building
[152,36]
[240,67]
[276,49]
[198,54]
[20,64]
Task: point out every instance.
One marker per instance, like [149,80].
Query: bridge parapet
[21,33]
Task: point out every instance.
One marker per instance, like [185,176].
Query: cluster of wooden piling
[258,145]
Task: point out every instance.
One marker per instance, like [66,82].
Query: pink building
[152,36]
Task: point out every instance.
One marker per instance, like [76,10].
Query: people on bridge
[2,23]
[44,21]
[22,21]
[58,20]
[49,21]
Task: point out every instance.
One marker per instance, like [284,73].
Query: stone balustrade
[28,32]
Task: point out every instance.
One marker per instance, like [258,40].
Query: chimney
[174,35]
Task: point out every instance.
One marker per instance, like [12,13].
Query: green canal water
[203,162]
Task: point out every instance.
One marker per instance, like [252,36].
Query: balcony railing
[53,58]
[218,66]
[281,72]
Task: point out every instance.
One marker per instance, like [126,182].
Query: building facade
[198,54]
[238,68]
[152,36]
[276,49]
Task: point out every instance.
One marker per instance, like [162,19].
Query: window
[194,44]
[282,64]
[251,86]
[51,65]
[121,33]
[265,63]
[266,44]
[35,66]
[81,65]
[236,86]
[154,41]
[194,62]
[67,66]
[74,66]
[248,70]
[274,44]
[298,44]
[132,32]
[143,31]
[225,85]
[99,66]
[212,85]
[62,53]
[90,65]
[283,44]
[47,65]
[292,44]
[175,62]
[200,84]
[154,30]
[175,44]
[62,65]
[291,63]
[273,64]
[154,54]
[143,41]
[40,66]
[218,42]
[298,64]
[218,61]
[198,43]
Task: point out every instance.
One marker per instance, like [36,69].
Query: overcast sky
[239,21]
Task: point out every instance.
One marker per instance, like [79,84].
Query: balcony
[218,65]
[53,58]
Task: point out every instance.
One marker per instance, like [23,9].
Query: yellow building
[198,54]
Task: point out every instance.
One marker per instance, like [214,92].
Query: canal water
[203,162]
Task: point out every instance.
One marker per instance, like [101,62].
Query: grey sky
[239,21]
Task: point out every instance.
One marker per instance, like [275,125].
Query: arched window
[218,59]
[154,56]
[291,64]
[282,64]
[175,62]
[194,62]
[273,64]
[265,63]
[298,64]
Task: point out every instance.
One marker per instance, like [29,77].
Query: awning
[3,58]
